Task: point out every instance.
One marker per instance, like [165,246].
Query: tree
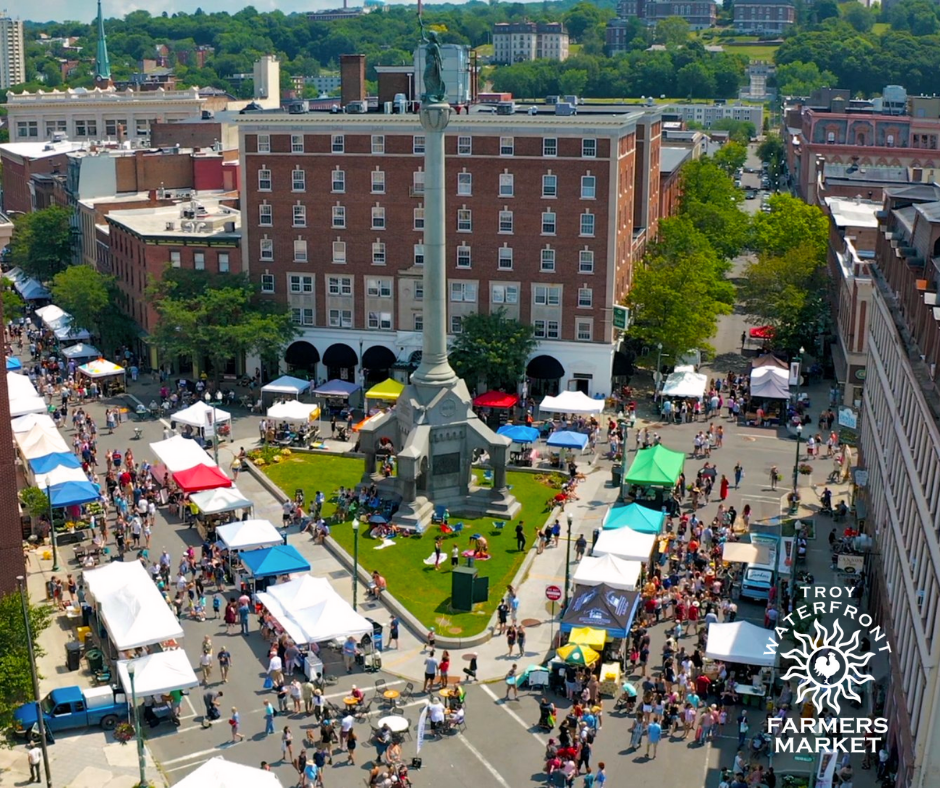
[801,79]
[216,317]
[731,157]
[791,223]
[679,291]
[773,153]
[711,203]
[742,131]
[16,684]
[42,242]
[672,31]
[492,348]
[583,17]
[13,305]
[90,298]
[861,18]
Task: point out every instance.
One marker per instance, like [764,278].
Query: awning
[200,414]
[30,420]
[840,364]
[220,500]
[565,439]
[627,544]
[378,357]
[158,674]
[23,405]
[601,607]
[71,333]
[623,365]
[572,402]
[389,390]
[302,354]
[248,535]
[519,433]
[48,462]
[20,386]
[81,350]
[495,399]
[282,559]
[763,332]
[201,477]
[545,368]
[294,410]
[31,290]
[741,642]
[287,385]
[100,369]
[340,355]
[73,494]
[636,516]
[60,475]
[337,388]
[656,466]
[14,364]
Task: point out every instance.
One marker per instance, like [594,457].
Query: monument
[433,425]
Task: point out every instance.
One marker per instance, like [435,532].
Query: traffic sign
[552,593]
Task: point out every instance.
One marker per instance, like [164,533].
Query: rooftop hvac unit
[229,227]
[171,225]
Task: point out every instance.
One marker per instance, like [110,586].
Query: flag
[422,724]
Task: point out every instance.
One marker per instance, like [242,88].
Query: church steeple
[102,61]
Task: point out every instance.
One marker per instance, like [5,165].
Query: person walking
[206,661]
[774,474]
[738,475]
[235,721]
[520,536]
[352,741]
[287,745]
[225,662]
[430,671]
[269,715]
[520,639]
[511,678]
[511,638]
[393,631]
[243,612]
[34,756]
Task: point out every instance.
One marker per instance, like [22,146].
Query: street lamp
[659,365]
[568,559]
[799,373]
[141,760]
[55,551]
[40,719]
[796,462]
[355,526]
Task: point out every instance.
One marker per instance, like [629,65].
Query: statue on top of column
[434,89]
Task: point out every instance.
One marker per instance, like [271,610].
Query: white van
[757,581]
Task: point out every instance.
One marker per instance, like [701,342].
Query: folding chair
[362,711]
[458,528]
[499,525]
[488,476]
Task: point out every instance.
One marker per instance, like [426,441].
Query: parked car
[73,707]
[750,194]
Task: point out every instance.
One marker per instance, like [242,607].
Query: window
[505,221]
[504,260]
[588,187]
[378,253]
[548,261]
[505,294]
[418,321]
[302,317]
[339,216]
[301,284]
[85,128]
[300,251]
[223,263]
[300,215]
[464,184]
[419,219]
[267,283]
[539,329]
[341,318]
[378,218]
[266,215]
[549,146]
[552,330]
[456,324]
[142,127]
[464,259]
[585,297]
[111,127]
[830,137]
[586,262]
[264,180]
[417,144]
[378,144]
[298,181]
[417,183]
[199,261]
[339,181]
[419,254]
[506,146]
[419,290]
[549,223]
[890,140]
[379,288]
[584,330]
[505,184]
[587,224]
[264,143]
[339,285]
[296,143]
[338,143]
[464,220]
[549,185]
[547,296]
[589,148]
[267,249]
[378,182]
[464,146]
[26,129]
[339,252]
[463,291]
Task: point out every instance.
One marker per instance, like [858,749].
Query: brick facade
[11,533]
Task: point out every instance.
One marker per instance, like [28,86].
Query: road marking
[486,764]
[210,751]
[511,713]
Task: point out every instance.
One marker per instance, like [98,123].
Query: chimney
[352,71]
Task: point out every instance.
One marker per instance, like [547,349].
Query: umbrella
[575,654]
[587,636]
[377,519]
[519,433]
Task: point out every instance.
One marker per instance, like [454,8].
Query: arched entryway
[377,363]
[302,359]
[341,361]
[545,374]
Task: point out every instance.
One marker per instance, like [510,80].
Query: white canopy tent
[746,553]
[220,773]
[68,332]
[19,386]
[741,642]
[181,454]
[30,420]
[223,499]
[39,442]
[572,402]
[158,673]
[770,383]
[626,543]
[60,475]
[685,382]
[21,406]
[50,314]
[608,570]
[286,385]
[311,611]
[330,619]
[248,535]
[108,578]
[101,368]
[81,351]
[199,414]
[294,410]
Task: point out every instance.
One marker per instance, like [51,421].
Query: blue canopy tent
[519,433]
[14,364]
[565,439]
[282,559]
[31,290]
[49,462]
[601,607]
[73,494]
[337,388]
[639,518]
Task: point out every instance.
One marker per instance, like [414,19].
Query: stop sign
[552,593]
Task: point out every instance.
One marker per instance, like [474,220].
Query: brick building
[547,216]
[22,160]
[670,182]
[763,16]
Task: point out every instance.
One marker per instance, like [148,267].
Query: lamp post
[796,462]
[659,365]
[141,760]
[355,526]
[40,720]
[55,551]
[799,373]
[568,559]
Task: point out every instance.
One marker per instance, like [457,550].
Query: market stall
[639,518]
[220,773]
[201,477]
[80,352]
[685,383]
[220,500]
[388,390]
[294,411]
[248,535]
[158,673]
[601,607]
[770,383]
[627,544]
[500,400]
[263,567]
[69,332]
[59,475]
[286,386]
[19,386]
[32,290]
[572,402]
[608,570]
[23,405]
[768,360]
[179,454]
[108,375]
[73,493]
[49,462]
[199,414]
[40,441]
[652,477]
[566,439]
[14,364]
[30,420]
[49,314]
[741,642]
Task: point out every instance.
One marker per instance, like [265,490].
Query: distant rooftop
[671,159]
[41,149]
[202,217]
[853,212]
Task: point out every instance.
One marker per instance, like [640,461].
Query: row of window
[29,129]
[223,264]
[549,223]
[464,145]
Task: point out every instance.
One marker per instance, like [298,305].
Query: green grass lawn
[423,591]
[754,52]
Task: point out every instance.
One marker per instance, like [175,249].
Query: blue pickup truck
[73,707]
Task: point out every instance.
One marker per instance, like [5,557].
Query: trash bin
[616,474]
[377,629]
[95,659]
[86,615]
[73,655]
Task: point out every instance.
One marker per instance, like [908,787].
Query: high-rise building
[12,52]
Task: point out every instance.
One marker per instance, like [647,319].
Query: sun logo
[826,666]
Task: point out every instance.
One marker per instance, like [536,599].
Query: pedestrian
[349,653]
[601,776]
[774,477]
[738,475]
[520,639]
[743,728]
[444,668]
[580,546]
[352,741]
[269,715]
[296,694]
[511,639]
[235,721]
[287,745]
[510,680]
[393,631]
[34,756]
[438,546]
[723,490]
[225,662]
[206,662]
[430,671]
[243,614]
[454,556]
[654,732]
[520,536]
[276,668]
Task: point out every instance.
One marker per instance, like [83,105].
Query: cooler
[610,679]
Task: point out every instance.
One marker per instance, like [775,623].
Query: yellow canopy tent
[389,390]
[574,654]
[587,636]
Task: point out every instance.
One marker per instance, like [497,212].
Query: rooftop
[853,212]
[923,192]
[41,149]
[72,95]
[867,173]
[671,159]
[200,217]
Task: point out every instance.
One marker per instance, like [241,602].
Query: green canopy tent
[655,467]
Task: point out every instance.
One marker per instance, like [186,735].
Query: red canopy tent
[201,477]
[495,399]
[763,332]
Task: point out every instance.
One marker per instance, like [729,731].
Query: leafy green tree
[13,306]
[860,17]
[673,31]
[772,152]
[583,17]
[918,17]
[493,348]
[742,131]
[791,223]
[90,298]
[731,157]
[711,203]
[42,242]
[801,79]
[16,684]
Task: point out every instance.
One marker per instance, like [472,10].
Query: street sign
[621,317]
[552,593]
